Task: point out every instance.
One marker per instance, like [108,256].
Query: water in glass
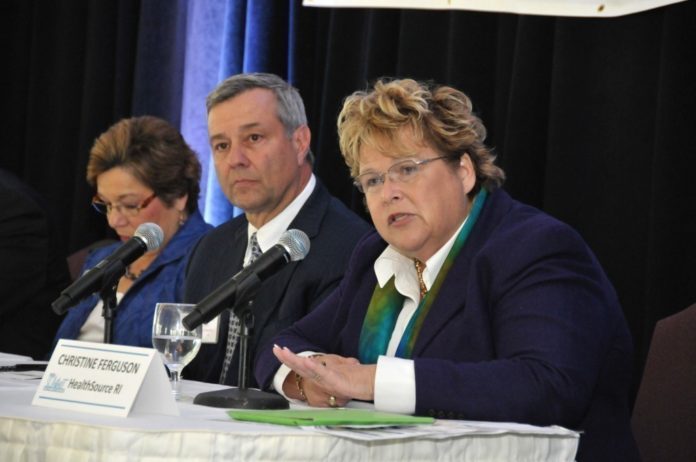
[176,344]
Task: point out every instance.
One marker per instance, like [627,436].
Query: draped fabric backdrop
[592,119]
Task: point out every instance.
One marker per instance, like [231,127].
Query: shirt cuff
[282,373]
[395,385]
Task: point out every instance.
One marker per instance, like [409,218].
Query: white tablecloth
[33,433]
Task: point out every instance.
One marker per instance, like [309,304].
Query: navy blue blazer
[526,328]
[286,296]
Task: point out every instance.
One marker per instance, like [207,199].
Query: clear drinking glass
[176,344]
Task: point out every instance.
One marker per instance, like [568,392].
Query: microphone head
[296,243]
[151,234]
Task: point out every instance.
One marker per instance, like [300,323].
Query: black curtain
[592,119]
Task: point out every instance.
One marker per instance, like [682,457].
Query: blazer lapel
[312,213]
[308,220]
[235,252]
[449,303]
[232,250]
[451,300]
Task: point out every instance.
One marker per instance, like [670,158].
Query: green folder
[328,417]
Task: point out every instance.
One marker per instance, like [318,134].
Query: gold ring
[332,401]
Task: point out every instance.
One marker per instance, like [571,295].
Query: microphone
[293,245]
[147,237]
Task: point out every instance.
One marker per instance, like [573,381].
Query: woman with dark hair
[143,171]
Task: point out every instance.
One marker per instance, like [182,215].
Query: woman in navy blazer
[511,318]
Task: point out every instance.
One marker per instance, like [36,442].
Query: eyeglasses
[128,210]
[402,172]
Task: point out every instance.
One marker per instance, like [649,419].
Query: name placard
[105,379]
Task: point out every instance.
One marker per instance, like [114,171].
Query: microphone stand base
[238,398]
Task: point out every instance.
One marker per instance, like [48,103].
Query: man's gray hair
[291,110]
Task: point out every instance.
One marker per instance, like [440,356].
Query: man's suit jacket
[33,271]
[286,296]
[526,328]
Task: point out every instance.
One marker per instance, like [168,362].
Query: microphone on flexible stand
[293,245]
[238,294]
[147,237]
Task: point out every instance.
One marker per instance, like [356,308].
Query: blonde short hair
[440,116]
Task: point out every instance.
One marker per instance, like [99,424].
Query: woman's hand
[327,380]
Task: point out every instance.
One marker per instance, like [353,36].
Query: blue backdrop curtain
[592,119]
[225,38]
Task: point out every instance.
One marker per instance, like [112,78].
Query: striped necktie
[234,325]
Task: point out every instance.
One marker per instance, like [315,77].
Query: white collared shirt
[395,378]
[269,234]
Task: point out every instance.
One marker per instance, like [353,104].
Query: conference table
[200,433]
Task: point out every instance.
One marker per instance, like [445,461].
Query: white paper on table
[443,429]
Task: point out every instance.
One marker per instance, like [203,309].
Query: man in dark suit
[33,270]
[260,143]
